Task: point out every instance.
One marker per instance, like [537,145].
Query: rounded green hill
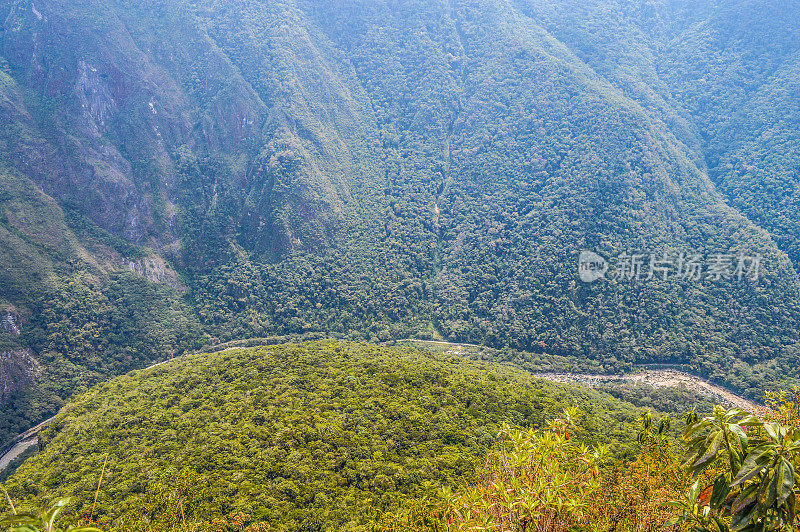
[310,436]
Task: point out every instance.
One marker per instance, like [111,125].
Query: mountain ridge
[395,169]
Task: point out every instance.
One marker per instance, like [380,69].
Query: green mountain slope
[297,435]
[405,168]
[722,76]
[77,305]
[505,154]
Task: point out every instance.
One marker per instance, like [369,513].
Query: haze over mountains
[175,173]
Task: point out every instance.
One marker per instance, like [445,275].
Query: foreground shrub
[46,521]
[549,481]
[755,481]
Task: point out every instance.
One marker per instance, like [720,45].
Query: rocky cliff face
[8,324]
[17,369]
[17,365]
[156,270]
[122,99]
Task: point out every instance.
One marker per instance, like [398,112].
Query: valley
[643,375]
[640,377]
[322,265]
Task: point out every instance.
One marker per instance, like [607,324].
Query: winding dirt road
[659,378]
[655,377]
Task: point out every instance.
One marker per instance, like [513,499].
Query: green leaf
[23,528]
[733,412]
[741,519]
[678,519]
[737,430]
[721,524]
[754,463]
[49,517]
[720,491]
[786,481]
[694,492]
[711,452]
[693,429]
[776,478]
[21,519]
[680,505]
[773,431]
[745,498]
[751,421]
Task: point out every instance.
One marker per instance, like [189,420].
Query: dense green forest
[313,436]
[333,435]
[200,181]
[181,173]
[83,315]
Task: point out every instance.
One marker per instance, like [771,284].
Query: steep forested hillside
[723,76]
[72,310]
[313,436]
[379,170]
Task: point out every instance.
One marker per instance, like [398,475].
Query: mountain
[299,436]
[73,308]
[182,172]
[723,76]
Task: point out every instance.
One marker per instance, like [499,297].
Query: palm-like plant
[44,522]
[753,468]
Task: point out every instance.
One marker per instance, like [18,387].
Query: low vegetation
[738,474]
[46,521]
[342,436]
